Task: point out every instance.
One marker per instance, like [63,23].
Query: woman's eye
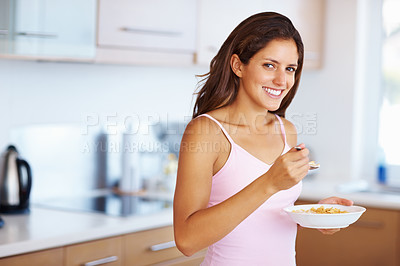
[291,69]
[267,65]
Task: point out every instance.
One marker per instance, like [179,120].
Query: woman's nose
[280,78]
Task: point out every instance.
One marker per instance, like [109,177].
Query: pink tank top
[268,235]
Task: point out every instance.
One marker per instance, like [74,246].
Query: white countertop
[47,228]
[359,192]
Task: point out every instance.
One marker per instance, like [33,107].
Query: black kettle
[15,182]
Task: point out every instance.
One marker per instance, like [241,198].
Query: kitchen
[120,87]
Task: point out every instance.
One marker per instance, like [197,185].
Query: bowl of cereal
[324,216]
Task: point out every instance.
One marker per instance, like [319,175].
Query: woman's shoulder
[291,132]
[202,126]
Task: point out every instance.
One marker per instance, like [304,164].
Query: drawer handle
[153,32]
[162,246]
[101,261]
[37,35]
[370,224]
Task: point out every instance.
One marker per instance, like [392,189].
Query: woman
[238,165]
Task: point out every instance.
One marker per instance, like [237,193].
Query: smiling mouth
[273,92]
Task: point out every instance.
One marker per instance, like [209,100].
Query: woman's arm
[196,226]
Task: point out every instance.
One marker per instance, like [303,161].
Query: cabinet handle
[36,34]
[370,224]
[3,32]
[101,261]
[162,246]
[152,32]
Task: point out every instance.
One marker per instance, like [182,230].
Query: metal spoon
[313,165]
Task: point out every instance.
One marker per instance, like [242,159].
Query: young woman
[238,167]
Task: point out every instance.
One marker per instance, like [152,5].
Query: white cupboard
[43,29]
[217,18]
[152,31]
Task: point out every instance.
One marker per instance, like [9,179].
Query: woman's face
[269,75]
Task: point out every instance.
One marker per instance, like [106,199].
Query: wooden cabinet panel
[51,257]
[109,249]
[140,249]
[371,241]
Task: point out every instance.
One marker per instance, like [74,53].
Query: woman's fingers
[336,200]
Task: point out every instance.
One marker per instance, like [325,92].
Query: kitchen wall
[48,92]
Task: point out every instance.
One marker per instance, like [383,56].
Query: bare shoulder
[291,132]
[202,127]
[201,131]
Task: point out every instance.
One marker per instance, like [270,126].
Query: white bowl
[325,221]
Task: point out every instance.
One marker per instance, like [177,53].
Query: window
[389,127]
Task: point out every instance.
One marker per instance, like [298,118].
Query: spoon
[313,165]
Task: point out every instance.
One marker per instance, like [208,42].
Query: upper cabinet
[146,31]
[156,32]
[54,29]
[217,18]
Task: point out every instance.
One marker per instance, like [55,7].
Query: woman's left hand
[334,200]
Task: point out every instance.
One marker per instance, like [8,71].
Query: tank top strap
[220,125]
[282,128]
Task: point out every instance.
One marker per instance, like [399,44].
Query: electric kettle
[15,182]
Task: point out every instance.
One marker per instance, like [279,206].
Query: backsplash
[67,161]
[67,119]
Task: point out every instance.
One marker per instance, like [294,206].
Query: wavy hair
[219,87]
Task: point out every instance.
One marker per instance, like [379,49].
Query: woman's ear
[236,65]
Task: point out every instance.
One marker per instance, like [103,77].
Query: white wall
[33,92]
[328,93]
[46,92]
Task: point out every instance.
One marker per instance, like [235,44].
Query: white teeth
[273,92]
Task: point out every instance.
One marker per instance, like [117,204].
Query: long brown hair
[220,86]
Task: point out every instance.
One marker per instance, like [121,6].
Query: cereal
[321,210]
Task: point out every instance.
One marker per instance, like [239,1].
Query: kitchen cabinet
[43,29]
[149,247]
[156,247]
[105,251]
[217,18]
[153,31]
[372,240]
[40,258]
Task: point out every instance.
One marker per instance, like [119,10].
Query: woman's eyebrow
[277,62]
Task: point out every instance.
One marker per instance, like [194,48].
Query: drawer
[372,240]
[150,247]
[106,251]
[152,24]
[47,257]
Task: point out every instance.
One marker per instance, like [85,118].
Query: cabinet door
[150,247]
[51,257]
[106,251]
[217,18]
[373,240]
[62,29]
[153,24]
[4,25]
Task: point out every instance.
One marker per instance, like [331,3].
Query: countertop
[359,191]
[45,228]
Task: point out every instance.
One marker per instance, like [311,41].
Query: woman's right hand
[289,169]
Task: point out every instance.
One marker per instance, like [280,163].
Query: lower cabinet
[156,247]
[47,257]
[151,247]
[106,251]
[372,241]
